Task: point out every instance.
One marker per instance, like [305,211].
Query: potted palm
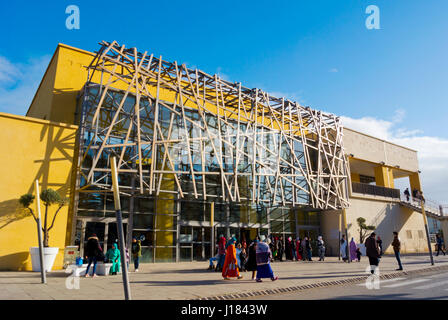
[49,197]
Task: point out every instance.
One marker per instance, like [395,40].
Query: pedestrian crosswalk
[432,285]
[428,282]
[405,283]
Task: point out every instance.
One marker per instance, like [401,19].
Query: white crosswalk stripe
[382,281]
[432,285]
[405,283]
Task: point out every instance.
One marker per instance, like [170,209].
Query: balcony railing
[375,190]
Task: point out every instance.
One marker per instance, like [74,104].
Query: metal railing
[375,190]
[430,205]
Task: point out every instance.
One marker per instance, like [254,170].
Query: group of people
[416,195]
[354,249]
[296,249]
[374,250]
[94,253]
[232,258]
[293,249]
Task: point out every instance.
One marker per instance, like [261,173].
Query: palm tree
[48,197]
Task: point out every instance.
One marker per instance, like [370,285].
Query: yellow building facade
[42,146]
[32,149]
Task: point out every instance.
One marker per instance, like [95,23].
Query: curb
[233,296]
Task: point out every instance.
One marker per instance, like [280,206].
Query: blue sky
[391,82]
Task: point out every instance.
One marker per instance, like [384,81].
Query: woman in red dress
[299,257]
[230,268]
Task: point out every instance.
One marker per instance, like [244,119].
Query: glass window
[144,205]
[143,221]
[90,200]
[147,255]
[148,237]
[276,226]
[185,254]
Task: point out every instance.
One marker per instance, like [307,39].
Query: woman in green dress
[113,255]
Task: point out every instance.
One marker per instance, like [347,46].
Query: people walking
[298,249]
[321,248]
[380,245]
[396,244]
[288,249]
[293,248]
[263,254]
[407,194]
[303,246]
[221,253]
[372,252]
[93,252]
[353,248]
[136,250]
[439,244]
[343,248]
[238,257]
[280,248]
[113,256]
[251,264]
[358,254]
[230,268]
[308,249]
[273,247]
[243,259]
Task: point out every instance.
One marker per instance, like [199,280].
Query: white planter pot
[49,257]
[103,269]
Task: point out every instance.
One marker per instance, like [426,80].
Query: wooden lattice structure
[180,131]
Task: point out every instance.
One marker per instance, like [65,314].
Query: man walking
[372,251]
[439,242]
[396,244]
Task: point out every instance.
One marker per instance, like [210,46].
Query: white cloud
[19,82]
[432,151]
[222,75]
[333,70]
[295,97]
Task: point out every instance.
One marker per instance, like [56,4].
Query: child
[358,254]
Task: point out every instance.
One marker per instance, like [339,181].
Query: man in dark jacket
[439,243]
[396,244]
[280,248]
[93,252]
[372,251]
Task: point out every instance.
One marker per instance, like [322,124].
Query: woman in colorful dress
[230,268]
[298,249]
[264,255]
[353,254]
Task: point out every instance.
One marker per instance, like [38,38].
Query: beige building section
[383,162]
[371,149]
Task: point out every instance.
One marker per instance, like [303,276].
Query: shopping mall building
[188,144]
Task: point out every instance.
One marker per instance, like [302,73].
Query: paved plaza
[191,280]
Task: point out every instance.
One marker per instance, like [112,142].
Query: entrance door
[312,234]
[105,230]
[98,228]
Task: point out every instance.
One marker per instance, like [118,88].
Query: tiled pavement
[190,280]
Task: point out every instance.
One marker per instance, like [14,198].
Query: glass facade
[174,222]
